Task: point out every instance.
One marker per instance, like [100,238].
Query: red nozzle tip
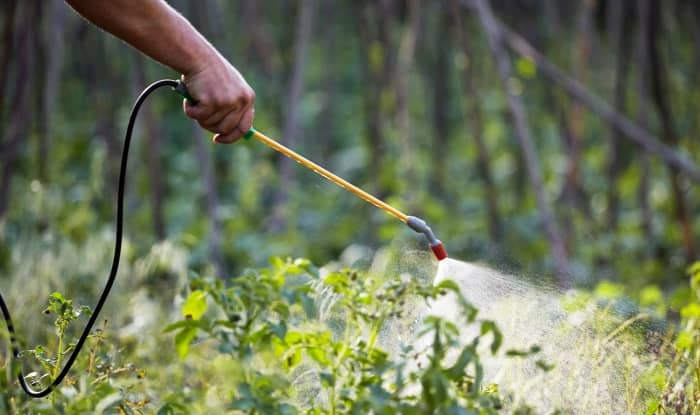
[439,251]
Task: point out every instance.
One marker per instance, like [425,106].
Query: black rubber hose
[115,262]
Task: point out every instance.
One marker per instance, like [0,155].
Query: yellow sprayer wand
[327,174]
[413,222]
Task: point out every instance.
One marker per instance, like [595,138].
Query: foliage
[291,339]
[288,337]
[682,370]
[271,322]
[664,373]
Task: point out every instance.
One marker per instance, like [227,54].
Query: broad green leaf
[651,295]
[546,367]
[609,290]
[456,372]
[293,337]
[449,285]
[195,305]
[58,296]
[327,379]
[694,268]
[179,324]
[183,339]
[490,326]
[526,67]
[517,353]
[279,329]
[319,355]
[107,402]
[684,341]
[692,310]
[292,358]
[653,405]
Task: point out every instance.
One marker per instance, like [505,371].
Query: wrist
[191,53]
[201,58]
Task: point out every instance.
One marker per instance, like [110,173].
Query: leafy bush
[310,342]
[287,339]
[681,356]
[291,338]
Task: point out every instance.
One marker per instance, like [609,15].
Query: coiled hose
[115,261]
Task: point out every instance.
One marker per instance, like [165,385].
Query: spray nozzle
[419,225]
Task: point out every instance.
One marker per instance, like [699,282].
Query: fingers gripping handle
[181,89]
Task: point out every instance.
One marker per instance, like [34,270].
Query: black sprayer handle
[181,89]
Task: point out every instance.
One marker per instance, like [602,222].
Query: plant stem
[374,334]
[332,395]
[59,359]
[59,354]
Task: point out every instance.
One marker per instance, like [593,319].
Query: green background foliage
[402,98]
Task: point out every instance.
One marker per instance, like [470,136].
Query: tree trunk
[693,18]
[569,118]
[573,124]
[327,116]
[292,124]
[669,133]
[619,33]
[642,117]
[522,132]
[440,73]
[377,17]
[404,69]
[632,131]
[483,160]
[18,120]
[153,148]
[203,150]
[257,42]
[9,9]
[54,61]
[99,80]
[205,17]
[691,14]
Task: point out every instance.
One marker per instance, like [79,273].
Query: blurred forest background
[539,136]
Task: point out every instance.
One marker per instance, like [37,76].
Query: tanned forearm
[224,99]
[153,27]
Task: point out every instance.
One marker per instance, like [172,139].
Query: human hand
[224,99]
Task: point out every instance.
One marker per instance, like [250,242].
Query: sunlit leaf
[609,290]
[183,339]
[195,305]
[684,341]
[691,310]
[526,67]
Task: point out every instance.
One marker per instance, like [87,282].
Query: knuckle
[249,95]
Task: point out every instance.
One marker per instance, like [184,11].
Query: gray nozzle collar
[419,225]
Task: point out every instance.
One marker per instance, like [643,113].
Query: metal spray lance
[415,223]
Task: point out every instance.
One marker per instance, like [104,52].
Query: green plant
[303,341]
[682,383]
[91,386]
